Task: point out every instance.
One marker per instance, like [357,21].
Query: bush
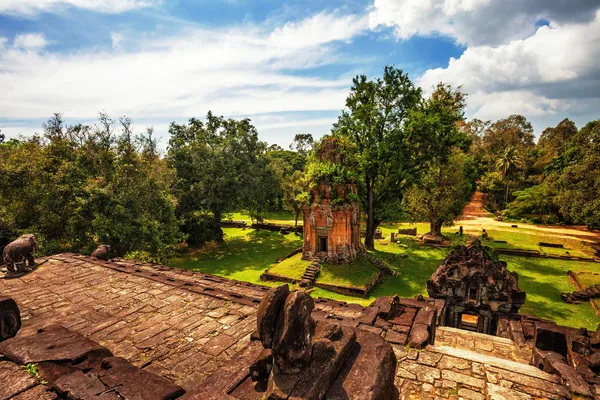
[201,228]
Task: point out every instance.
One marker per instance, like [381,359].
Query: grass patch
[528,239]
[292,267]
[358,274]
[544,280]
[275,217]
[588,279]
[244,256]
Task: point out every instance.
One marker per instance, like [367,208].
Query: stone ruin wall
[341,227]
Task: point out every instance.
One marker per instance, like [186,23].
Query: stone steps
[311,273]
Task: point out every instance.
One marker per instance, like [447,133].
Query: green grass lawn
[358,274]
[529,239]
[292,267]
[590,279]
[544,280]
[244,256]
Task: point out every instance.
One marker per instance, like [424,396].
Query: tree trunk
[296,222]
[218,228]
[435,228]
[371,226]
[506,196]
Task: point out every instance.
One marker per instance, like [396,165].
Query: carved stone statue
[19,252]
[10,318]
[101,253]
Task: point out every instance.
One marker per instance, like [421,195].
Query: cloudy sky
[288,65]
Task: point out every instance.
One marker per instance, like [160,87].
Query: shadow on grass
[243,255]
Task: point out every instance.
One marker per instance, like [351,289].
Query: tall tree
[442,192]
[388,153]
[445,180]
[295,195]
[216,163]
[302,143]
[506,164]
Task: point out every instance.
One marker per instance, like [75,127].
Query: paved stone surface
[184,325]
[14,380]
[168,330]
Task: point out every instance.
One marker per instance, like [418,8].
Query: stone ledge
[491,338]
[500,363]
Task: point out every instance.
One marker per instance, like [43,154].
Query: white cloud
[552,73]
[476,22]
[32,7]
[30,41]
[238,71]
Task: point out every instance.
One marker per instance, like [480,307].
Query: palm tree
[506,164]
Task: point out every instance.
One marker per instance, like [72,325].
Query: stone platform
[183,326]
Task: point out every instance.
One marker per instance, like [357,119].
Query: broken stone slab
[368,316]
[268,313]
[292,347]
[388,306]
[14,380]
[80,386]
[369,373]
[131,382]
[419,336]
[40,392]
[57,344]
[574,382]
[10,318]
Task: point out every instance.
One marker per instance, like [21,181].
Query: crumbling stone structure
[476,288]
[331,232]
[332,220]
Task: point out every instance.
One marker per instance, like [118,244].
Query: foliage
[578,183]
[77,186]
[388,154]
[221,166]
[538,199]
[295,193]
[441,194]
[302,143]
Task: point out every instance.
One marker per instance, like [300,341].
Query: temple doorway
[323,244]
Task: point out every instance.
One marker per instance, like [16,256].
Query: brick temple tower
[332,220]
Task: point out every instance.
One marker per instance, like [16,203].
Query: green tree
[538,199]
[578,183]
[295,188]
[302,143]
[442,192]
[216,163]
[74,189]
[506,164]
[387,153]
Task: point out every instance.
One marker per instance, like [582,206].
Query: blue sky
[288,66]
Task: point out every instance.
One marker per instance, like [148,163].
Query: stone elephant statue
[20,251]
[101,253]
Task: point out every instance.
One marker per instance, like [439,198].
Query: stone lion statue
[20,252]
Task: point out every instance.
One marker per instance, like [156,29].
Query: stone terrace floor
[182,325]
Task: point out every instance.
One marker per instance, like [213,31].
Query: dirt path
[475,217]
